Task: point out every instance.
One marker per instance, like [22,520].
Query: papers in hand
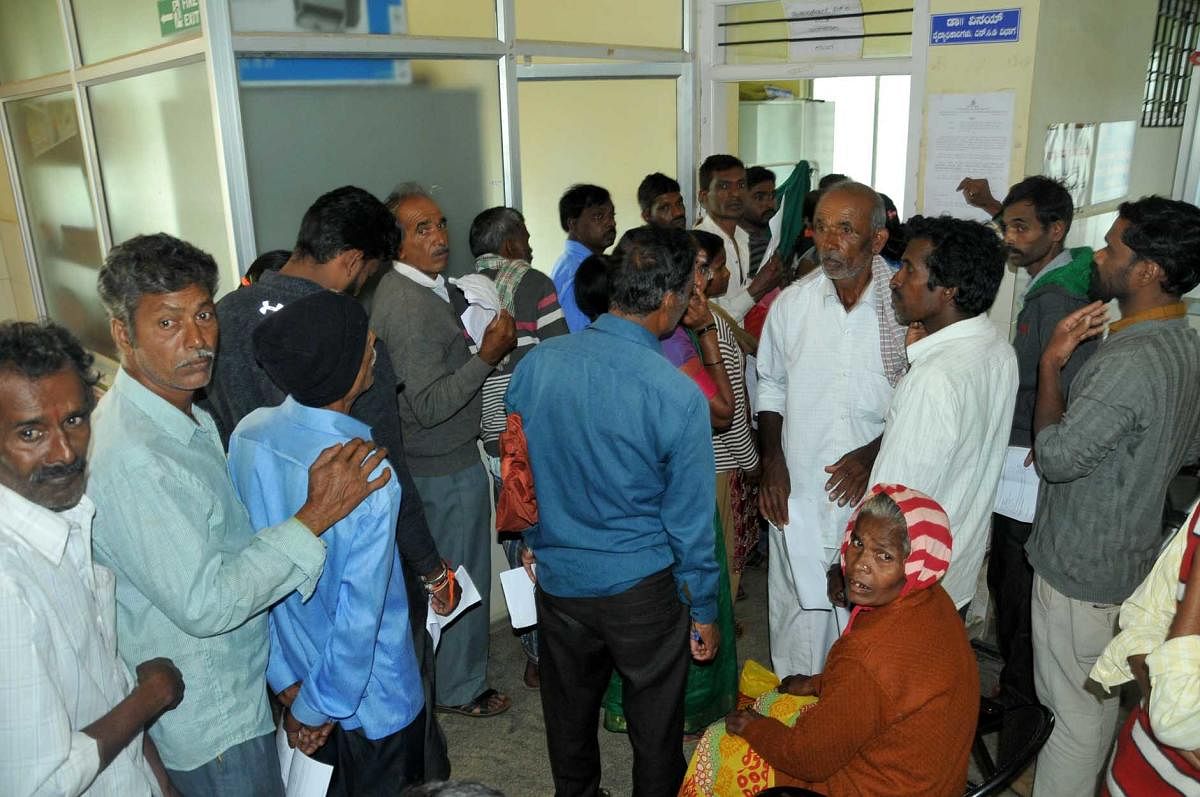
[518,594]
[434,622]
[1016,497]
[302,776]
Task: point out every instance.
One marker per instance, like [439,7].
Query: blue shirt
[621,450]
[194,581]
[351,644]
[563,275]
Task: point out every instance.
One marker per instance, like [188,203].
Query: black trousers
[643,633]
[1010,580]
[364,767]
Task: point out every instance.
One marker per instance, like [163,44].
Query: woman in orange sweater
[899,696]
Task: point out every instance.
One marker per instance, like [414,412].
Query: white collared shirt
[819,367]
[737,301]
[59,670]
[947,433]
[436,284]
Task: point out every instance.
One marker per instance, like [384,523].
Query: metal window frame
[1168,71]
[507,51]
[713,75]
[77,80]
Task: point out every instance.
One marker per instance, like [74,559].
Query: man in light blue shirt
[347,650]
[587,217]
[194,581]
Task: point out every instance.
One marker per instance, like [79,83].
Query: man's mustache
[49,473]
[197,358]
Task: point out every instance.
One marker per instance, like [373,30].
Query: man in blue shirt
[621,451]
[344,656]
[587,217]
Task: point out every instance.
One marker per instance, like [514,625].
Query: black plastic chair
[1030,723]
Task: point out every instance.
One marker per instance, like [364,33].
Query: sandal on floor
[488,704]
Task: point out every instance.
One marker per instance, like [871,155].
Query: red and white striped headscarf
[929,538]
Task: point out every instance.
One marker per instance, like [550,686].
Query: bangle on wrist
[710,365]
[709,327]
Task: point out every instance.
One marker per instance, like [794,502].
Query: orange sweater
[898,703]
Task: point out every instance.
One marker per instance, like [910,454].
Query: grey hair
[492,228]
[882,507]
[878,211]
[403,191]
[451,788]
[157,263]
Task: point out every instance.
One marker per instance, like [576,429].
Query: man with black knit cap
[353,632]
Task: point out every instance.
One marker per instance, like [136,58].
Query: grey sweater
[438,378]
[1133,420]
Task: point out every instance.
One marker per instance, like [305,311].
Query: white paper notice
[518,594]
[1017,494]
[1114,158]
[436,623]
[848,22]
[967,135]
[302,776]
[1067,157]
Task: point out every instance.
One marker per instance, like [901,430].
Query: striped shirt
[538,317]
[734,448]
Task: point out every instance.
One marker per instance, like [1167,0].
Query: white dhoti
[803,623]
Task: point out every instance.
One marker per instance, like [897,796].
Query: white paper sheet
[436,623]
[843,26]
[302,776]
[967,135]
[1017,495]
[518,594]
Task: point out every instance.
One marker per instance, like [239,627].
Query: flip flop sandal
[479,706]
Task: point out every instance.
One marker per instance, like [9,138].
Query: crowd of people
[249,528]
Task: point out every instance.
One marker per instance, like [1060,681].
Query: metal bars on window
[1170,68]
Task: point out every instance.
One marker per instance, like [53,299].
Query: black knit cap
[313,347]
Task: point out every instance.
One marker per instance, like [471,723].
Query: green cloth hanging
[790,195]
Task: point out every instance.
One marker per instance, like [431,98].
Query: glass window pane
[31,40]
[45,133]
[158,158]
[109,28]
[886,35]
[379,123]
[471,18]
[643,23]
[602,148]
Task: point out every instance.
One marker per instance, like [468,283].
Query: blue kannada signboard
[976,27]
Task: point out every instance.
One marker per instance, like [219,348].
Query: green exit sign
[176,16]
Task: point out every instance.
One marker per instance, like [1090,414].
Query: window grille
[1169,71]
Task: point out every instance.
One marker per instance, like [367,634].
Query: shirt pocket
[870,396]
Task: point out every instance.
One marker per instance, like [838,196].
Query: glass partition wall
[219,121]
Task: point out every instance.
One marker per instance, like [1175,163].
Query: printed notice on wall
[831,21]
[1067,157]
[966,135]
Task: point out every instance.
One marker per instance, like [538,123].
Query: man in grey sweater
[1106,457]
[1035,219]
[440,385]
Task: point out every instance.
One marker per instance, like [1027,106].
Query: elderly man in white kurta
[830,355]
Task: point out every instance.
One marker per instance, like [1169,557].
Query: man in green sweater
[1035,218]
[1106,457]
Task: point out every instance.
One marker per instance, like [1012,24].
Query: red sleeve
[695,371]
